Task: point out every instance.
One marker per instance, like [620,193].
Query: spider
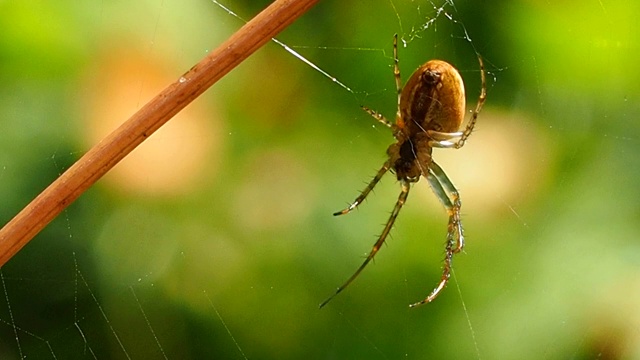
[431,109]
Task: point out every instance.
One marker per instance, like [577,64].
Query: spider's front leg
[450,198]
[406,186]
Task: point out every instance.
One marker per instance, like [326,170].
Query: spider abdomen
[432,99]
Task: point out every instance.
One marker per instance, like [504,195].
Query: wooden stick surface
[106,154]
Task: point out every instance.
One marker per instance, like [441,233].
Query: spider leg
[376,115]
[396,74]
[445,140]
[448,195]
[394,214]
[474,116]
[396,69]
[366,190]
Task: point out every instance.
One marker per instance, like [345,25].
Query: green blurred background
[215,239]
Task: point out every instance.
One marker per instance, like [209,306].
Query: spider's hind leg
[378,116]
[396,74]
[456,140]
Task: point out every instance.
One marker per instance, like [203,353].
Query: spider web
[167,258]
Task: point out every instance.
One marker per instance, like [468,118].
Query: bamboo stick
[108,152]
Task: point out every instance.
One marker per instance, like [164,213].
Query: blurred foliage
[216,240]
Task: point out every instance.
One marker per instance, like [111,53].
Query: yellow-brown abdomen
[432,99]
